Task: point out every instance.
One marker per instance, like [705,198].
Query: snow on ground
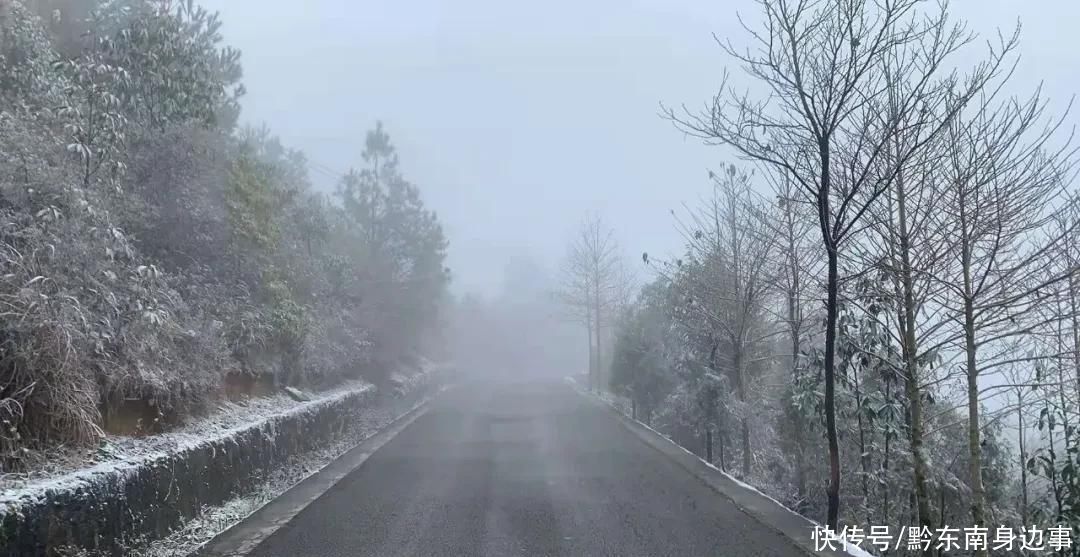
[65,469]
[621,405]
[62,466]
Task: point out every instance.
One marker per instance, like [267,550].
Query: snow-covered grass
[621,406]
[121,453]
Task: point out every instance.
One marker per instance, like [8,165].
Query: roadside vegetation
[155,255]
[875,318]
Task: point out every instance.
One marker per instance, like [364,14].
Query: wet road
[521,469]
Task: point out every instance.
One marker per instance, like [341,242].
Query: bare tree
[1022,445]
[999,186]
[825,67]
[594,285]
[1069,257]
[792,225]
[907,242]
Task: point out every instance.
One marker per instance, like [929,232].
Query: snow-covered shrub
[149,249]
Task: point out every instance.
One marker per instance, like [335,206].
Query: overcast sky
[515,118]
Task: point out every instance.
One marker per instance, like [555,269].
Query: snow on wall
[149,492]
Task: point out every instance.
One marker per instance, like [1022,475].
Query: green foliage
[92,115]
[1058,463]
[179,71]
[398,238]
[26,58]
[644,340]
[253,204]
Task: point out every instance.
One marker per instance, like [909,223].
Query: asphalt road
[523,469]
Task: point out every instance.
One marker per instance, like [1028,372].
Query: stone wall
[146,499]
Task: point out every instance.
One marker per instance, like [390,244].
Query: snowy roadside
[65,467]
[621,406]
[193,534]
[116,452]
[188,484]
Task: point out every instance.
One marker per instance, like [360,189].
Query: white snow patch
[122,454]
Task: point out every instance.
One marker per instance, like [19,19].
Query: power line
[324,172]
[324,169]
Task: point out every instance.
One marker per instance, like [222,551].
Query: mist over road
[527,468]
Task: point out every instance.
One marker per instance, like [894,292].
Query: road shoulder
[758,506]
[249,533]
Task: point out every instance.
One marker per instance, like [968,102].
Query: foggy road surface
[521,469]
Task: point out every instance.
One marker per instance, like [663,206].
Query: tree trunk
[1062,399]
[800,464]
[714,404]
[720,437]
[909,350]
[864,455]
[723,457]
[793,318]
[747,457]
[833,490]
[978,493]
[913,506]
[1023,457]
[1056,490]
[592,357]
[1075,323]
[599,341]
[885,461]
[741,384]
[831,311]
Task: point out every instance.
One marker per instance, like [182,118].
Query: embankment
[103,508]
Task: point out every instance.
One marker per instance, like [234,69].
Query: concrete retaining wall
[149,498]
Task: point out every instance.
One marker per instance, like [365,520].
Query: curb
[106,507]
[795,527]
[244,536]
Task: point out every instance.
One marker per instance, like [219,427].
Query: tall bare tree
[907,243]
[825,67]
[792,225]
[594,284]
[999,187]
[1069,256]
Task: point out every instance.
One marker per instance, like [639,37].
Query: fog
[830,247]
[517,118]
